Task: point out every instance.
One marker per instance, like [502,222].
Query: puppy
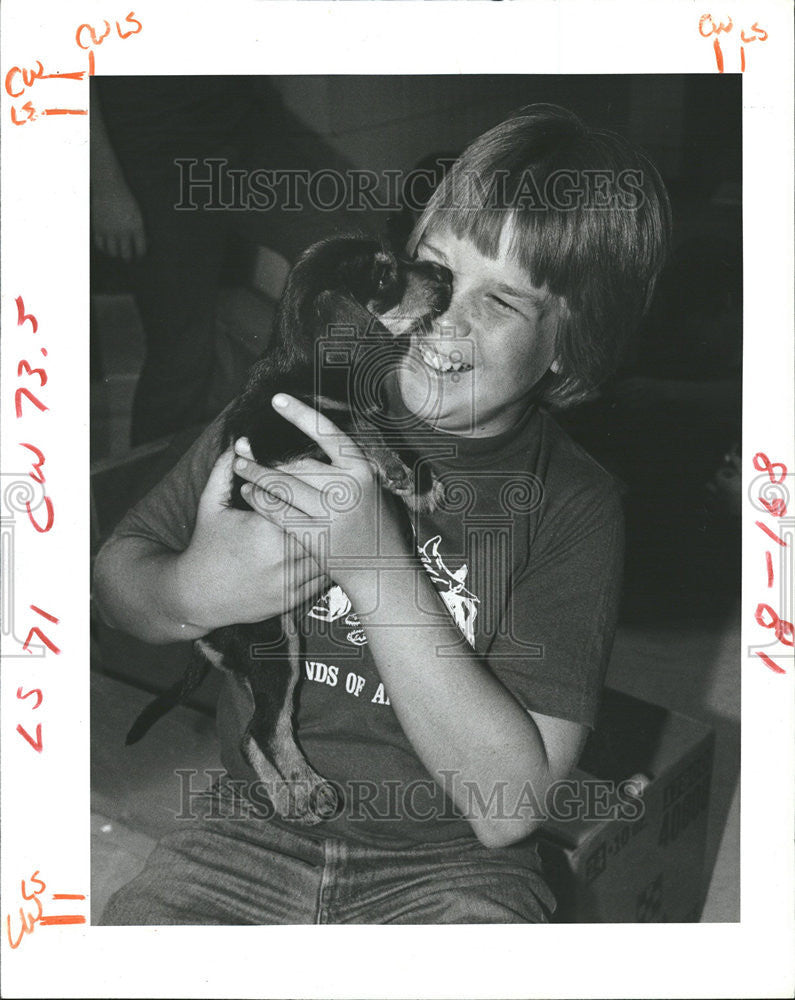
[346,318]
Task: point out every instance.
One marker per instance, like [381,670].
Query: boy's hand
[240,567]
[336,512]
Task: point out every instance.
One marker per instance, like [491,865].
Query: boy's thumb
[220,480]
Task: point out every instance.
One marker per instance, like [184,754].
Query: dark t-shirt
[526,555]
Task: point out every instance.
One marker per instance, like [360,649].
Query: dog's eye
[383,273]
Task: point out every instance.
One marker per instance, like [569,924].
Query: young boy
[444,722]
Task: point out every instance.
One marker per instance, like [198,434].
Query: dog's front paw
[309,799]
[398,478]
[324,801]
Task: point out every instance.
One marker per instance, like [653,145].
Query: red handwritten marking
[94,39]
[763,464]
[29,395]
[772,534]
[32,114]
[43,638]
[23,368]
[26,928]
[31,111]
[718,55]
[27,694]
[44,614]
[23,317]
[770,663]
[130,19]
[776,507]
[37,475]
[77,75]
[27,112]
[37,892]
[29,919]
[98,39]
[50,516]
[29,77]
[712,29]
[37,744]
[769,562]
[779,625]
[715,29]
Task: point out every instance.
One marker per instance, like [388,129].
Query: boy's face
[499,333]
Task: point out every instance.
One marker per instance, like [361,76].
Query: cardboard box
[649,868]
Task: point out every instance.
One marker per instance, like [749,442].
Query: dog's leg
[419,490]
[270,741]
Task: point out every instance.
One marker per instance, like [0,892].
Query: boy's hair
[590,220]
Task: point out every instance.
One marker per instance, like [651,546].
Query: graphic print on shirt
[335,604]
[332,605]
[460,601]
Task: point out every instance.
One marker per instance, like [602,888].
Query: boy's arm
[182,563]
[458,716]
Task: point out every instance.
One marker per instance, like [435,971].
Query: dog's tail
[193,676]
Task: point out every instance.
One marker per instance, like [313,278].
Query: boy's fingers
[280,487]
[317,492]
[305,531]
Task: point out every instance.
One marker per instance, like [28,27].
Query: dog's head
[355,285]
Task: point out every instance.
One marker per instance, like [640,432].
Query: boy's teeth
[440,364]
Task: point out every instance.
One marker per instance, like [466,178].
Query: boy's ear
[555,366]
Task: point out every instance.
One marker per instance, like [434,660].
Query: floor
[691,666]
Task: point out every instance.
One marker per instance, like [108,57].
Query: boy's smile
[474,373]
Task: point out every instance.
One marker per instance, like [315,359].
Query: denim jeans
[253,871]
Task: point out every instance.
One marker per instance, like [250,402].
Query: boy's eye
[502,304]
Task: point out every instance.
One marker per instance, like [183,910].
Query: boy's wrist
[184,599]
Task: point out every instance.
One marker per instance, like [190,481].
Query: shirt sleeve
[167,514]
[555,641]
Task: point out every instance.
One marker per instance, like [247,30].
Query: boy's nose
[453,322]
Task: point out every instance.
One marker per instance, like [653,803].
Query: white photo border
[45,239]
